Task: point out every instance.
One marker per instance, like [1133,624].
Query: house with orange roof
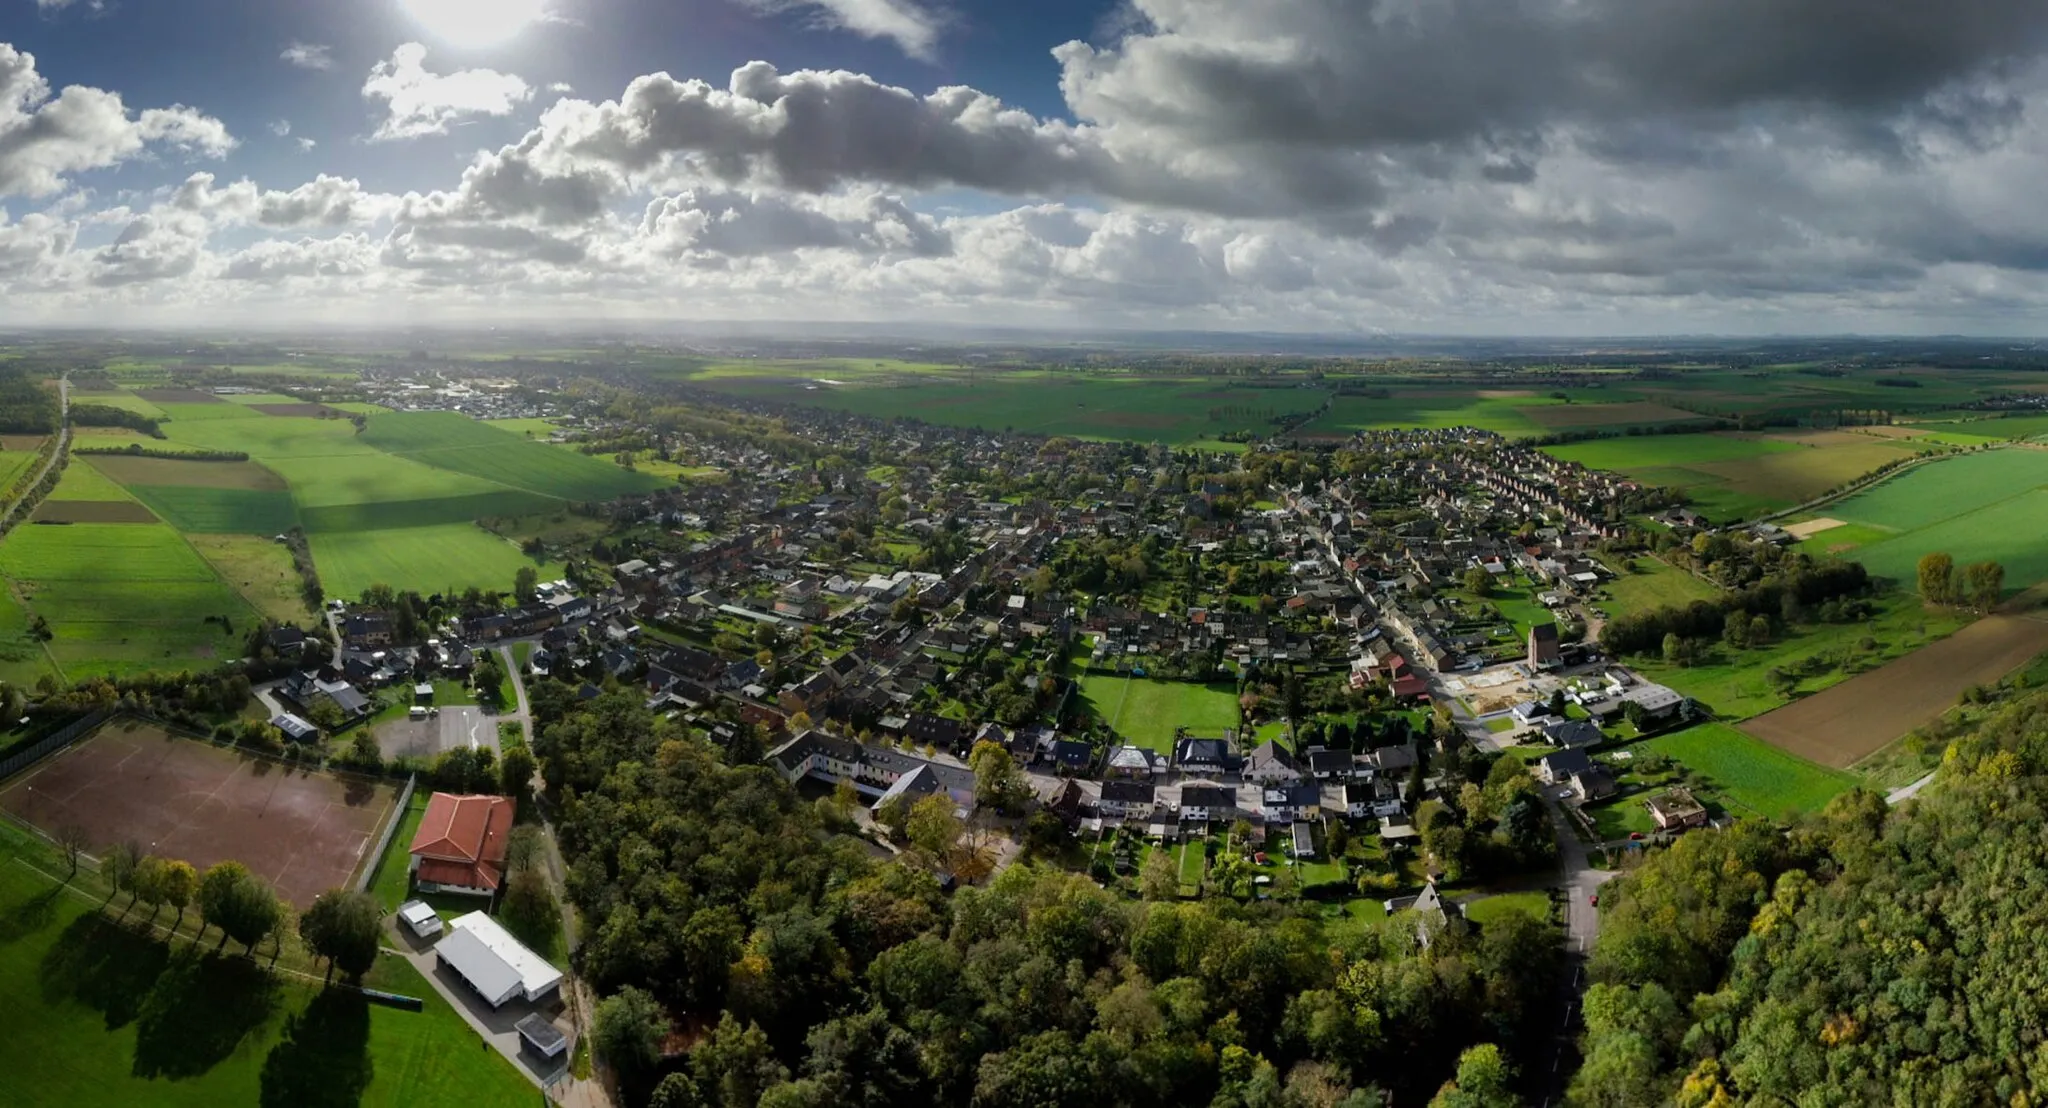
[460,846]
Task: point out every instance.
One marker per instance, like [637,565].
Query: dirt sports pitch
[303,832]
[1851,721]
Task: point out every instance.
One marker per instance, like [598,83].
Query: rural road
[63,441]
[1581,927]
[1907,792]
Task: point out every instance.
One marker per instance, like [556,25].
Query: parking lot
[427,738]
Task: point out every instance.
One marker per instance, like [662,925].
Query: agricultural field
[1653,583]
[124,597]
[1991,505]
[14,463]
[259,569]
[205,497]
[452,441]
[1752,777]
[1145,711]
[21,653]
[1856,718]
[1732,476]
[431,558]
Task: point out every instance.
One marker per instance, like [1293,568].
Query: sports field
[304,832]
[1856,718]
[430,558]
[1146,712]
[104,1013]
[1754,777]
[124,597]
[1989,506]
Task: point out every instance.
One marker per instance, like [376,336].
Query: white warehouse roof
[494,963]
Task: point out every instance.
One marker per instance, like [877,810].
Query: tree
[1937,577]
[998,783]
[524,582]
[489,679]
[341,926]
[234,900]
[147,882]
[515,771]
[325,714]
[1985,582]
[72,840]
[1674,647]
[1759,630]
[1159,879]
[629,1029]
[1478,582]
[933,828]
[1485,1080]
[117,865]
[1735,629]
[176,883]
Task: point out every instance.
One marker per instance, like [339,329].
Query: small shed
[541,1037]
[420,917]
[423,692]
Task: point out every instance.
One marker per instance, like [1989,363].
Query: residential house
[1127,799]
[1192,755]
[1593,784]
[460,844]
[1558,768]
[1133,762]
[1676,810]
[1291,801]
[1573,733]
[1545,649]
[1201,803]
[1270,762]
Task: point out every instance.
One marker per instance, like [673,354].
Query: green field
[1534,903]
[448,556]
[124,597]
[21,656]
[259,569]
[14,463]
[1989,506]
[103,1013]
[1754,777]
[196,510]
[1653,584]
[81,481]
[1146,712]
[452,441]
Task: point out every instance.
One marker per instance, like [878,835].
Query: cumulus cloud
[44,139]
[277,260]
[150,248]
[420,103]
[322,202]
[308,55]
[736,224]
[912,26]
[281,127]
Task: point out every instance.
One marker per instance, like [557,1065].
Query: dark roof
[537,1030]
[1128,792]
[1207,796]
[1067,752]
[1564,763]
[1574,732]
[1321,760]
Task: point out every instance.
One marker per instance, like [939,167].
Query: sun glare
[473,22]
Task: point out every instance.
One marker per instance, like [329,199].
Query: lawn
[124,597]
[393,879]
[104,1014]
[1989,506]
[1534,903]
[259,569]
[1194,861]
[451,556]
[1146,712]
[1755,777]
[1735,683]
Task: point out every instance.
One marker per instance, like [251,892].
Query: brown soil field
[177,471]
[304,832]
[178,396]
[308,410]
[92,511]
[1604,415]
[1847,723]
[21,442]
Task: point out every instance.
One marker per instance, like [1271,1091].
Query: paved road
[1581,882]
[1908,792]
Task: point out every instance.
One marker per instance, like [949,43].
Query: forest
[751,950]
[26,407]
[1871,955]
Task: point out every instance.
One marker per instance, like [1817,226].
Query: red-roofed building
[460,846]
[1411,687]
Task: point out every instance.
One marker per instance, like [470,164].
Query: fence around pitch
[376,856]
[52,743]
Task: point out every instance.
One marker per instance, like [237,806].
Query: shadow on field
[324,1058]
[104,966]
[30,916]
[198,1012]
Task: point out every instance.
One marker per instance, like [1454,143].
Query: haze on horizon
[1417,167]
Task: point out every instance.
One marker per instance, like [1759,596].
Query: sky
[1483,167]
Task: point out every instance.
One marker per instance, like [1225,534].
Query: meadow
[448,556]
[123,597]
[1754,777]
[106,1011]
[259,569]
[1985,506]
[1653,584]
[1730,476]
[452,441]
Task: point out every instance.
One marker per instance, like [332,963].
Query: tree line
[1978,585]
[1788,595]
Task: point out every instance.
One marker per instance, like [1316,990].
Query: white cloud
[912,26]
[306,144]
[562,88]
[281,128]
[45,139]
[322,202]
[420,103]
[308,55]
[47,6]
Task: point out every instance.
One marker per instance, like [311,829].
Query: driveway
[457,726]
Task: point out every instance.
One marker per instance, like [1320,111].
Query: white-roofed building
[496,965]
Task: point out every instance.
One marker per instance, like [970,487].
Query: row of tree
[1978,585]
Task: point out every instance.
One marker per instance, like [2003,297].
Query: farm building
[1676,810]
[460,846]
[493,963]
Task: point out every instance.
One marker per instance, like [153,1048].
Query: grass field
[21,656]
[83,481]
[1534,903]
[123,597]
[1654,584]
[257,568]
[449,556]
[452,441]
[105,1013]
[1146,711]
[13,464]
[196,510]
[1732,476]
[1988,506]
[1757,778]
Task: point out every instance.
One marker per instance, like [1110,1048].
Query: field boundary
[1862,485]
[57,740]
[371,858]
